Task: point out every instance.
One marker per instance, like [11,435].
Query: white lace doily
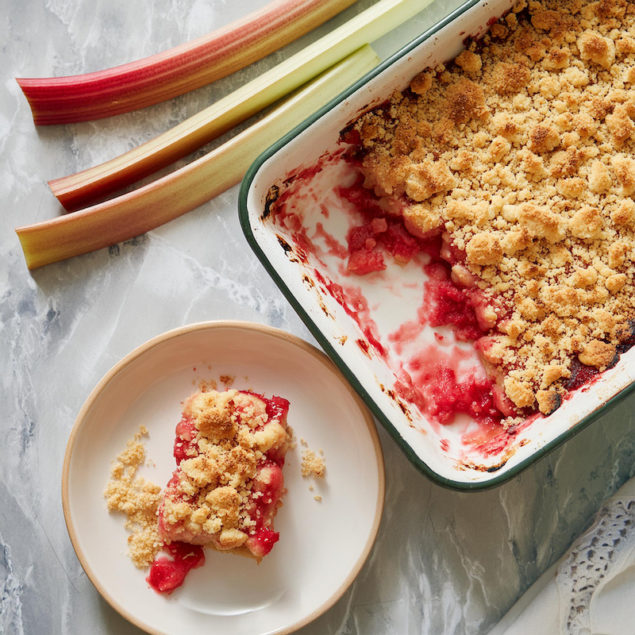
[590,590]
[593,580]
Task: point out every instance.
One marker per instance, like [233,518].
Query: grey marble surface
[444,562]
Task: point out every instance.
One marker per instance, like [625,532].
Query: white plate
[322,546]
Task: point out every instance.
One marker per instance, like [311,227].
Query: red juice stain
[334,247]
[405,389]
[406,333]
[168,571]
[580,375]
[307,174]
[489,441]
[363,344]
[492,440]
[355,305]
[431,382]
[293,224]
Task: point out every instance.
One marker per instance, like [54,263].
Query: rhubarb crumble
[230,448]
[518,159]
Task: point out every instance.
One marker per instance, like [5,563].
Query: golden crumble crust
[522,150]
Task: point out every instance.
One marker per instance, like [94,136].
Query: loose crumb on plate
[312,464]
[227,380]
[138,499]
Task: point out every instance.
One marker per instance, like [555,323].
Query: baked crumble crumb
[521,151]
[313,464]
[205,385]
[227,380]
[138,499]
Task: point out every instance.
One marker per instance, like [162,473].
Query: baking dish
[305,166]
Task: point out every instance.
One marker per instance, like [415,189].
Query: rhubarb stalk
[148,207]
[86,187]
[178,70]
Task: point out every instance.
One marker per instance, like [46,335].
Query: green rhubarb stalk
[171,196]
[160,77]
[85,187]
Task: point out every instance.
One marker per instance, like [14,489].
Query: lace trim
[591,559]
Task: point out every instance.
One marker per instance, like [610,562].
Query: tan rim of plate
[251,326]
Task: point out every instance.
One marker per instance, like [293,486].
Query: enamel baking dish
[305,167]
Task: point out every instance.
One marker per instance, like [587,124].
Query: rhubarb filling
[451,298]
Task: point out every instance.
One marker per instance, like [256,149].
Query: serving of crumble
[518,159]
[230,448]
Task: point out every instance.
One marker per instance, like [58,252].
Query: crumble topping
[138,499]
[520,152]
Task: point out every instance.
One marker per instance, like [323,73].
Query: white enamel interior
[322,544]
[394,294]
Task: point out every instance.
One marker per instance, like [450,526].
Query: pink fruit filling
[168,571]
[451,298]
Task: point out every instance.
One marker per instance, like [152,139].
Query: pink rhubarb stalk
[94,183]
[178,70]
[148,207]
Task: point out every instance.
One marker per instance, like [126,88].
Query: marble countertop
[444,561]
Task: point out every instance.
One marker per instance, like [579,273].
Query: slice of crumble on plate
[230,448]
